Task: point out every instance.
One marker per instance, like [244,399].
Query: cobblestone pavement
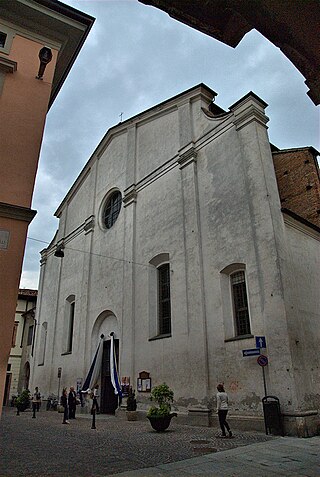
[45,447]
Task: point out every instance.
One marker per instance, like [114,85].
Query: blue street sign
[261,342]
[251,352]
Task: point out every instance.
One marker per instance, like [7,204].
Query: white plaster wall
[46,312]
[220,208]
[156,142]
[84,195]
[302,278]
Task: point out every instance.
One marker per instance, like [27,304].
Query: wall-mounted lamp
[59,251]
[45,56]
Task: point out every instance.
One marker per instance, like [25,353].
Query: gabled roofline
[123,125]
[163,103]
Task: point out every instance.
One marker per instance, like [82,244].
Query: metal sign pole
[59,390]
[263,361]
[59,378]
[264,381]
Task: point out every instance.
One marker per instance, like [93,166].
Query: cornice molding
[298,223]
[16,212]
[248,109]
[89,225]
[187,155]
[130,196]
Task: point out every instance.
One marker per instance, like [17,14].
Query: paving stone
[43,447]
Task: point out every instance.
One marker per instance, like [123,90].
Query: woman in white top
[222,409]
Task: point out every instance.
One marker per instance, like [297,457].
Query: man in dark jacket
[72,402]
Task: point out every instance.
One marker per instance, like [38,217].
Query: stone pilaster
[196,312]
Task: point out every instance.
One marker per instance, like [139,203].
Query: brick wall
[298,179]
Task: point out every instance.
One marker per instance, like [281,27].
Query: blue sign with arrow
[251,352]
[261,342]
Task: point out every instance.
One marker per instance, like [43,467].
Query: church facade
[179,238]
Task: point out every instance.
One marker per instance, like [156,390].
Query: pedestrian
[64,403]
[222,410]
[72,403]
[36,400]
[95,395]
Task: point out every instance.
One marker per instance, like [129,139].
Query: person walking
[222,410]
[64,403]
[95,395]
[36,400]
[72,403]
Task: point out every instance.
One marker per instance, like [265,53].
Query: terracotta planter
[160,424]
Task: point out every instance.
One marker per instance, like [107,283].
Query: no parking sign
[262,360]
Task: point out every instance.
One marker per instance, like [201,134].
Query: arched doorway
[109,400]
[105,324]
[26,375]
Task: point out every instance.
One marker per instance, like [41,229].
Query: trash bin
[272,415]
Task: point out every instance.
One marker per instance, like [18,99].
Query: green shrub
[131,401]
[23,400]
[163,396]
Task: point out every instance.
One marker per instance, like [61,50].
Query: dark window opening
[3,37]
[14,334]
[164,299]
[240,303]
[30,335]
[71,325]
[112,209]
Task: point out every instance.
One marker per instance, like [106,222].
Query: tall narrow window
[14,334]
[43,343]
[30,335]
[240,303]
[70,330]
[164,305]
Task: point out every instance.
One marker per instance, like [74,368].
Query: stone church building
[190,237]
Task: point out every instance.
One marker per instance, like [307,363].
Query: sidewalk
[284,456]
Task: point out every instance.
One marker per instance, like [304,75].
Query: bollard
[34,410]
[18,412]
[93,411]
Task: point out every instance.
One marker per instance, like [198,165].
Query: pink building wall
[23,104]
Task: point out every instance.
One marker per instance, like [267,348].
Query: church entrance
[108,399]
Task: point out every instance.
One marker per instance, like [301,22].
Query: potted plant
[160,416]
[23,401]
[131,412]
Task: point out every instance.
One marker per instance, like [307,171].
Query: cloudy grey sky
[135,57]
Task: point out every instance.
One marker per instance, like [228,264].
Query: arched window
[164,305]
[240,303]
[235,304]
[159,297]
[69,324]
[43,343]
